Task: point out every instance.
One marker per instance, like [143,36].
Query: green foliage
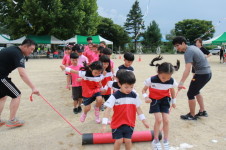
[61,18]
[113,32]
[134,22]
[152,36]
[171,35]
[194,28]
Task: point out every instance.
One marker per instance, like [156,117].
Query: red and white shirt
[124,107]
[107,77]
[90,84]
[159,89]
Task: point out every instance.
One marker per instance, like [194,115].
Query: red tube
[104,138]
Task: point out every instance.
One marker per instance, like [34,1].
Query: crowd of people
[91,77]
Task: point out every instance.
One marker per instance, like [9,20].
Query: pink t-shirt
[66,60]
[112,64]
[74,76]
[82,59]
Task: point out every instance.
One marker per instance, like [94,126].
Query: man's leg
[200,102]
[14,105]
[2,104]
[192,104]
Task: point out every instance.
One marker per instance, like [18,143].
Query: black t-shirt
[205,51]
[10,59]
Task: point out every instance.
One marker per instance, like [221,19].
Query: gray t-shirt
[197,58]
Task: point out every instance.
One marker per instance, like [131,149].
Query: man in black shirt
[12,58]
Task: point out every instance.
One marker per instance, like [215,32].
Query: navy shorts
[76,93]
[197,83]
[106,97]
[124,131]
[89,100]
[7,88]
[161,105]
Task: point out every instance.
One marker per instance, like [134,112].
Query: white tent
[18,41]
[210,40]
[107,41]
[39,40]
[4,39]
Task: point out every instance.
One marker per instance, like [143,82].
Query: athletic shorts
[197,83]
[124,131]
[161,105]
[106,97]
[89,100]
[7,88]
[76,93]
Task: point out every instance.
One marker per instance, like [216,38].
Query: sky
[167,12]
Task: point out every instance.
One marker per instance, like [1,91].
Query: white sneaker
[166,145]
[156,146]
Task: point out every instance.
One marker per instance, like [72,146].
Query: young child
[79,50]
[108,52]
[107,77]
[74,82]
[66,59]
[128,60]
[161,94]
[91,76]
[125,104]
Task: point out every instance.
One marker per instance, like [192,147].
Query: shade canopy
[78,39]
[218,40]
[4,39]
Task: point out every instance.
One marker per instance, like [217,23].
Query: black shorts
[7,88]
[106,97]
[89,100]
[197,83]
[124,131]
[76,93]
[161,105]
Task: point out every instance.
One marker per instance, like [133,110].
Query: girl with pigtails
[161,96]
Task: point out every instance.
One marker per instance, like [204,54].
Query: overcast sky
[168,12]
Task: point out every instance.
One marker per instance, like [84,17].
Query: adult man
[10,59]
[193,57]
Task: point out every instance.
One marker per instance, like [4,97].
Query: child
[108,52]
[66,59]
[161,93]
[74,81]
[107,77]
[128,60]
[79,50]
[125,104]
[91,76]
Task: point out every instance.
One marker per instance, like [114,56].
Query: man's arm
[185,74]
[27,80]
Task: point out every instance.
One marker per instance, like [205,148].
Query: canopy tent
[78,39]
[42,39]
[218,40]
[4,39]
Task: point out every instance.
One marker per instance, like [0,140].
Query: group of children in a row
[95,81]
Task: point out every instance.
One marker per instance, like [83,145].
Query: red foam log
[104,138]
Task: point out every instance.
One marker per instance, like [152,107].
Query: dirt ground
[46,130]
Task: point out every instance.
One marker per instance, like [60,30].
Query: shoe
[83,117]
[156,146]
[188,117]
[202,114]
[166,145]
[79,109]
[98,120]
[14,123]
[2,122]
[102,108]
[75,110]
[109,122]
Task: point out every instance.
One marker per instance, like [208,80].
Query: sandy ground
[45,130]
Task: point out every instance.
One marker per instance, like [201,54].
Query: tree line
[66,18]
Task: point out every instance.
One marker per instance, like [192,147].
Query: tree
[194,28]
[113,32]
[152,36]
[171,35]
[134,22]
[62,19]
